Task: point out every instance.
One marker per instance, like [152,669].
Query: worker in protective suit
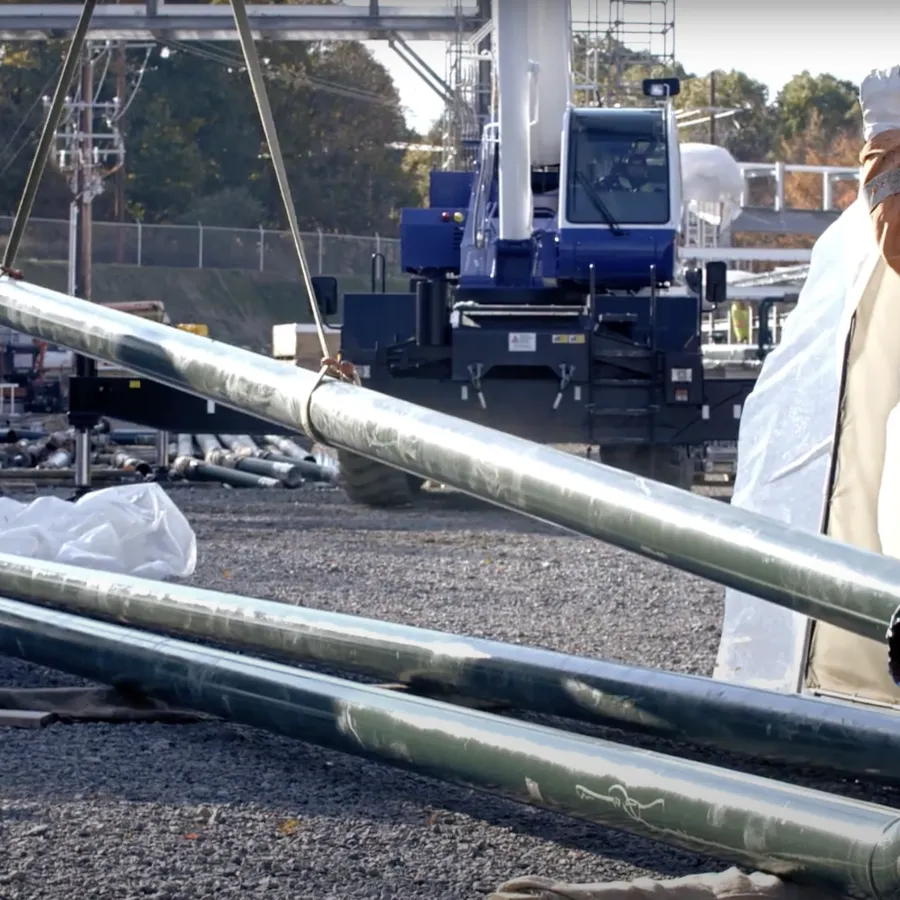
[819,444]
[880,159]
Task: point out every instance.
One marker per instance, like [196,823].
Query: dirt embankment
[238,307]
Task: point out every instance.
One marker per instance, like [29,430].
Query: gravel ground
[213,810]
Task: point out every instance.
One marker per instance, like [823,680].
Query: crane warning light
[445,216]
[458,217]
[661,88]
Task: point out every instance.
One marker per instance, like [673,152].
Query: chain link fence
[203,247]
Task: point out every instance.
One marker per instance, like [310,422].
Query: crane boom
[513,73]
[550,51]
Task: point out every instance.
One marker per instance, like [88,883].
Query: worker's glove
[879,97]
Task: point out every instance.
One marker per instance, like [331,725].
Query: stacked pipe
[836,844]
[268,461]
[238,461]
[49,456]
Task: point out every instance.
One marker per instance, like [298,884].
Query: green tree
[232,207]
[749,133]
[192,132]
[831,102]
[28,72]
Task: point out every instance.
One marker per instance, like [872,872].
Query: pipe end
[893,642]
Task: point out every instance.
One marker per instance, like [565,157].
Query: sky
[769,40]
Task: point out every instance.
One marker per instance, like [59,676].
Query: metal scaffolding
[468,73]
[615,48]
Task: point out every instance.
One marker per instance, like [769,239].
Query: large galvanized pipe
[809,573]
[777,727]
[834,843]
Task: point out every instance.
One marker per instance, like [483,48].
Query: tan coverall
[880,160]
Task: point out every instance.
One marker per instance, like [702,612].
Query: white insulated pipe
[513,87]
[550,46]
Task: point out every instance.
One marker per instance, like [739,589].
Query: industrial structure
[105,626]
[592,395]
[552,269]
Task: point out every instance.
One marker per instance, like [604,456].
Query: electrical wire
[222,57]
[101,80]
[6,163]
[134,91]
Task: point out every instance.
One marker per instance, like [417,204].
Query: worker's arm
[880,159]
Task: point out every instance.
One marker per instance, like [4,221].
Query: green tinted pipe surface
[779,727]
[808,835]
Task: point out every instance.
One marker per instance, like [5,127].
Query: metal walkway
[756,220]
[199,21]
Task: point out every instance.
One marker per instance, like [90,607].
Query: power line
[23,121]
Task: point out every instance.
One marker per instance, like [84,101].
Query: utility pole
[84,196]
[119,198]
[84,186]
[84,153]
[712,107]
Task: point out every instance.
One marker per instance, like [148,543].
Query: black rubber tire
[375,484]
[669,465]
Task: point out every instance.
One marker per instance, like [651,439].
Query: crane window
[618,168]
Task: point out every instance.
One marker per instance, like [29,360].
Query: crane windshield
[618,167]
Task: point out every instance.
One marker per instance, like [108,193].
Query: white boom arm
[531,37]
[550,48]
[513,73]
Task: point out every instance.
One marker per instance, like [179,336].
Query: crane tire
[669,465]
[374,484]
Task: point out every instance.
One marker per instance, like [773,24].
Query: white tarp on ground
[132,529]
[784,449]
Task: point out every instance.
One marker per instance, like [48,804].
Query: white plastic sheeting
[889,495]
[132,529]
[712,183]
[785,443]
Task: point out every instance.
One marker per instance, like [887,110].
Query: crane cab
[620,198]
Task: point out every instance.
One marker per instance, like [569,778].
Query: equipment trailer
[543,298]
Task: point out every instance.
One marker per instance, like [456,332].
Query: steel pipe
[57,459]
[194,470]
[239,442]
[308,468]
[208,444]
[776,727]
[131,464]
[184,445]
[832,842]
[286,446]
[287,473]
[812,574]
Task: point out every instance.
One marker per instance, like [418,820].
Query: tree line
[195,151]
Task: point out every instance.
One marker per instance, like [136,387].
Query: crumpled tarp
[729,885]
[94,704]
[131,529]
